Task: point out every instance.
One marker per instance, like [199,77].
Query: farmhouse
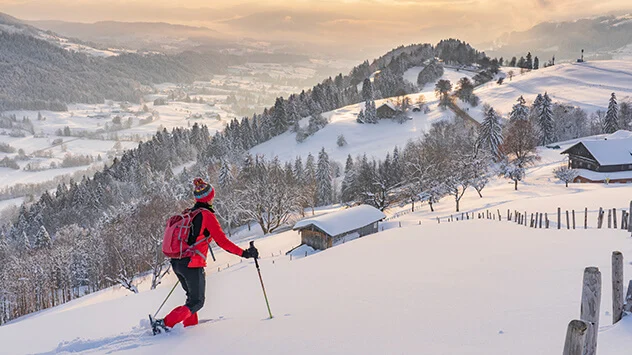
[387,110]
[603,160]
[324,231]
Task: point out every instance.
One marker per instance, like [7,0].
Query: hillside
[163,37]
[586,85]
[44,71]
[448,288]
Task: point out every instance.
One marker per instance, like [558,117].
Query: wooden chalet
[322,232]
[387,110]
[604,160]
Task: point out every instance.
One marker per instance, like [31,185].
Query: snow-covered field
[587,85]
[468,287]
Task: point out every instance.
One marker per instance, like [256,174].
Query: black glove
[251,252]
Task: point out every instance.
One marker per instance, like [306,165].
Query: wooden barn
[604,160]
[322,232]
[387,110]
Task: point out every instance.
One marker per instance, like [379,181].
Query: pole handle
[252,245]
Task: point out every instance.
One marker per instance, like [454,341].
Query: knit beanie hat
[203,191]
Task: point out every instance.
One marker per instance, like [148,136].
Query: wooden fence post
[499,216]
[609,218]
[540,220]
[600,218]
[525,218]
[617,286]
[546,217]
[614,218]
[630,218]
[559,218]
[591,301]
[531,221]
[575,337]
[573,219]
[438,220]
[623,220]
[628,299]
[508,215]
[585,217]
[568,223]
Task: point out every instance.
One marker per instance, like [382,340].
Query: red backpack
[174,242]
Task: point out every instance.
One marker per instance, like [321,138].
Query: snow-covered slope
[373,139]
[476,287]
[469,287]
[587,85]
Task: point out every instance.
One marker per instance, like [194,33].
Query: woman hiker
[190,270]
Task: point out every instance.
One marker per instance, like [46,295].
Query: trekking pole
[165,301]
[252,245]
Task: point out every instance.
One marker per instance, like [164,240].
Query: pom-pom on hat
[203,191]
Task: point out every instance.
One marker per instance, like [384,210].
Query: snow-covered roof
[343,221]
[389,105]
[615,149]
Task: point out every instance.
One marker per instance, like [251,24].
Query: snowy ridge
[586,85]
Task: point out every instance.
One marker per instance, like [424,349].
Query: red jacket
[211,225]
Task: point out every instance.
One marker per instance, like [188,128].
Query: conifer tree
[348,193]
[42,239]
[361,118]
[519,111]
[536,63]
[491,136]
[529,61]
[324,188]
[367,90]
[625,115]
[545,120]
[611,122]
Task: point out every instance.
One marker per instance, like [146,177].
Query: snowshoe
[158,326]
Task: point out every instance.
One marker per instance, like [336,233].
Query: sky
[358,24]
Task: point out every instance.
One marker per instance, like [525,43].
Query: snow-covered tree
[545,121]
[361,118]
[565,174]
[341,141]
[348,183]
[491,136]
[225,178]
[625,115]
[512,170]
[611,122]
[367,90]
[519,111]
[324,190]
[442,92]
[42,239]
[370,112]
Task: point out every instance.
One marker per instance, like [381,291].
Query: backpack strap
[194,213]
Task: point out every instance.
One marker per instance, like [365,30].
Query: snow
[587,85]
[343,221]
[468,287]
